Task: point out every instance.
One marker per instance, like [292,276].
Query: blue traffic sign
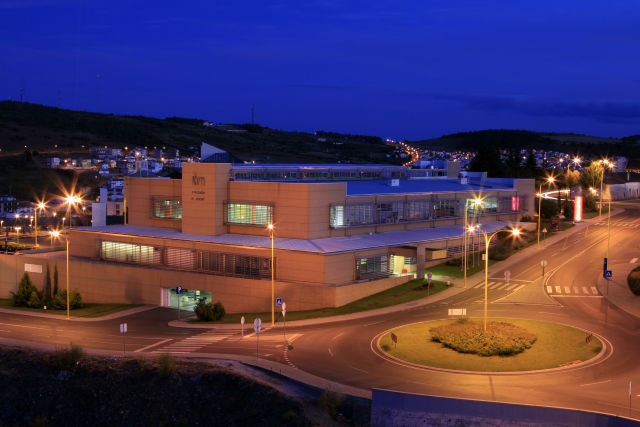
[608,273]
[605,265]
[179,290]
[278,302]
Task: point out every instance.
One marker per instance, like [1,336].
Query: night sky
[397,69]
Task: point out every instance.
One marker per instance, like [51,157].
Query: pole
[609,229]
[600,195]
[178,306]
[273,296]
[258,346]
[464,233]
[486,277]
[36,228]
[67,277]
[123,344]
[539,213]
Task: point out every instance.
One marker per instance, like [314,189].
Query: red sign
[577,209]
[515,203]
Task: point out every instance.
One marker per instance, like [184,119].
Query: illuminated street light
[476,202]
[604,163]
[39,207]
[56,234]
[18,234]
[273,295]
[487,241]
[550,180]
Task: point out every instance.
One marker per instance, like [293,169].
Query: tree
[531,164]
[487,160]
[571,178]
[27,294]
[46,291]
[55,280]
[591,175]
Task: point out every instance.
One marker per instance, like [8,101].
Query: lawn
[396,295]
[447,270]
[556,345]
[89,309]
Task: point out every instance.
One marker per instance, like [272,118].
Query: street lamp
[273,295]
[18,234]
[40,206]
[56,234]
[605,163]
[71,200]
[487,241]
[476,203]
[549,180]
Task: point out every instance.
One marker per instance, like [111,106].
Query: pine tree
[46,292]
[55,280]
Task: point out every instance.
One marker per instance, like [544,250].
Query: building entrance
[188,298]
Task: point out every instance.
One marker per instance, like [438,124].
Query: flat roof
[427,185]
[329,245]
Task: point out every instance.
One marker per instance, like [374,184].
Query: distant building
[211,154]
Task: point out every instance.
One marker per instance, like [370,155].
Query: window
[372,267]
[130,252]
[166,207]
[248,213]
[444,208]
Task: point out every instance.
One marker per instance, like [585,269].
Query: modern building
[341,232]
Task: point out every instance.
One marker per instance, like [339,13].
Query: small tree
[55,280]
[60,300]
[46,291]
[26,289]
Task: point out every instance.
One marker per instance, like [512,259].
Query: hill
[583,145]
[49,129]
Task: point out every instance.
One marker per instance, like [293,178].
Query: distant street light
[40,207]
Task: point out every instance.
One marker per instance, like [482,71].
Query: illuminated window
[248,213]
[166,207]
[130,252]
[372,267]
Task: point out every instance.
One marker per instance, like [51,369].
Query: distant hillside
[519,139]
[50,129]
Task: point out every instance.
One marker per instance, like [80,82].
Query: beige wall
[204,189]
[138,194]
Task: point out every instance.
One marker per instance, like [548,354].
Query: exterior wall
[204,189]
[527,187]
[301,209]
[138,194]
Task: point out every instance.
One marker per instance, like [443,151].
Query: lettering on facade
[198,194]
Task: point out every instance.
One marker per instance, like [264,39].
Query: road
[345,352]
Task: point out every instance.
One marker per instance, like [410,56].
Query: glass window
[166,208]
[371,267]
[248,214]
[130,252]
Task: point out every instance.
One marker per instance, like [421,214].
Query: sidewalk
[616,290]
[456,288]
[111,316]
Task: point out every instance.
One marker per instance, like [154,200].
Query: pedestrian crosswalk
[623,224]
[195,342]
[501,286]
[556,290]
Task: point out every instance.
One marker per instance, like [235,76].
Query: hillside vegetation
[583,145]
[49,129]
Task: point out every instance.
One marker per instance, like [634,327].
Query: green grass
[556,345]
[89,309]
[447,270]
[396,295]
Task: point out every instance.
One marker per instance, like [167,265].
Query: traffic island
[539,345]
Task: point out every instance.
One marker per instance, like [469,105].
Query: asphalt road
[344,352]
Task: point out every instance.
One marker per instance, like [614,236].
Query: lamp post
[41,207]
[550,180]
[18,234]
[609,228]
[273,295]
[477,202]
[71,200]
[487,241]
[605,163]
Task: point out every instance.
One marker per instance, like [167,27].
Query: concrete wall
[389,408]
[204,189]
[139,192]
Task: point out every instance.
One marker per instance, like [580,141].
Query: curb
[618,301]
[111,316]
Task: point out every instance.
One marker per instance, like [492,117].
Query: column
[420,250]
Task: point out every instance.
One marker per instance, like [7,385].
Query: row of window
[374,213]
[218,263]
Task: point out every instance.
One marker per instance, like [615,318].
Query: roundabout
[556,347]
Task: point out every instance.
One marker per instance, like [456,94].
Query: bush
[60,300]
[330,402]
[166,365]
[633,280]
[209,312]
[501,338]
[68,357]
[25,295]
[526,218]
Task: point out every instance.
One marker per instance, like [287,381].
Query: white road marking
[594,290]
[30,327]
[567,290]
[518,288]
[599,382]
[368,324]
[558,290]
[152,345]
[585,290]
[633,260]
[511,287]
[330,352]
[576,290]
[358,369]
[549,290]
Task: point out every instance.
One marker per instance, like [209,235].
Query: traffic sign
[608,273]
[178,289]
[278,302]
[543,263]
[507,275]
[257,325]
[123,328]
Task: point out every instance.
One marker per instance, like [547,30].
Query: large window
[166,207]
[248,213]
[372,267]
[130,252]
[445,208]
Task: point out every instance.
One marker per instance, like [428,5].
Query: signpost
[178,291]
[284,319]
[278,302]
[123,331]
[242,325]
[257,327]
[429,275]
[543,263]
[394,339]
[507,276]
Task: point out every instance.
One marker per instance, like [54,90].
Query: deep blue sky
[396,69]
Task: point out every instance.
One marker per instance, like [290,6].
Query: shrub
[24,296]
[60,300]
[330,402]
[67,357]
[633,280]
[501,338]
[166,365]
[209,312]
[526,218]
[34,300]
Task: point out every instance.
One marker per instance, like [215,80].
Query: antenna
[253,111]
